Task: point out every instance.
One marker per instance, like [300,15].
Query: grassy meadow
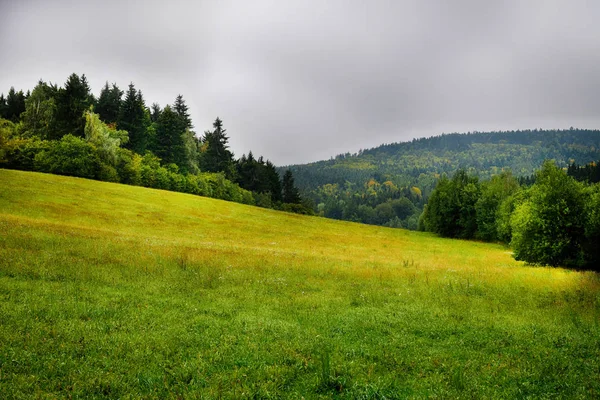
[114,291]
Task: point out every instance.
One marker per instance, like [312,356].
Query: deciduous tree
[549,228]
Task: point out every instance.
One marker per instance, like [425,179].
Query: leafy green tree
[134,119]
[71,102]
[493,193]
[40,111]
[591,245]
[191,155]
[505,211]
[215,155]
[549,227]
[403,207]
[291,194]
[106,140]
[385,213]
[129,167]
[7,129]
[451,211]
[109,103]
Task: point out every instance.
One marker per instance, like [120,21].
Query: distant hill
[411,169]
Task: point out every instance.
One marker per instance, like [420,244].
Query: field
[112,291]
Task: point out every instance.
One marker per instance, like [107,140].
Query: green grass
[112,291]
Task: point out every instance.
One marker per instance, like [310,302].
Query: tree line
[116,137]
[554,220]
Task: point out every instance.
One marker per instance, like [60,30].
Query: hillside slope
[113,291]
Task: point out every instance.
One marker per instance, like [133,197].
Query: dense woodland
[116,137]
[390,184]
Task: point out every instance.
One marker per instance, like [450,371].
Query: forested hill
[482,153]
[410,170]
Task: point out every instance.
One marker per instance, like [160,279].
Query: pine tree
[290,192]
[109,103]
[135,120]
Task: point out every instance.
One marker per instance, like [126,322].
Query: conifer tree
[182,110]
[274,183]
[15,104]
[170,142]
[290,192]
[216,156]
[134,119]
[71,102]
[109,103]
[259,176]
[155,112]
[3,107]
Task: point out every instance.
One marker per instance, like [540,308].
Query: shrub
[19,153]
[129,167]
[69,156]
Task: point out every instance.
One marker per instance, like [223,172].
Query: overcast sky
[300,81]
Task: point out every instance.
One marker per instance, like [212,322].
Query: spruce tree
[247,172]
[3,107]
[274,183]
[290,192]
[182,110]
[134,119]
[71,102]
[109,103]
[216,156]
[155,112]
[15,104]
[170,140]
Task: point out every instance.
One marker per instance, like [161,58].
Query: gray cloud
[298,81]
